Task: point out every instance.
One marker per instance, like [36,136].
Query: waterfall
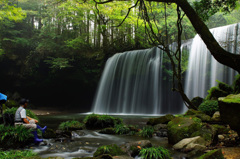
[203,69]
[134,82]
[140,82]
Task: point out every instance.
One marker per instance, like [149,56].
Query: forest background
[53,51]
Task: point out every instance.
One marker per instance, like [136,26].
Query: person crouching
[22,119]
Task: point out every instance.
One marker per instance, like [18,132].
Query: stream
[85,142]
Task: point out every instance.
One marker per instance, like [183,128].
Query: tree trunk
[222,56]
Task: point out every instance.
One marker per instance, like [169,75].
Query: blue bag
[3,97]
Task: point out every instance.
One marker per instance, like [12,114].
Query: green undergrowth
[154,153]
[14,137]
[16,154]
[147,132]
[71,125]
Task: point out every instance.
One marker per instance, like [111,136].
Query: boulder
[182,127]
[214,154]
[161,120]
[229,111]
[189,144]
[195,113]
[207,132]
[196,101]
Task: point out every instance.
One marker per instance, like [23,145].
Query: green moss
[108,131]
[209,107]
[215,93]
[182,127]
[225,87]
[214,154]
[113,150]
[95,121]
[232,98]
[197,101]
[221,129]
[160,120]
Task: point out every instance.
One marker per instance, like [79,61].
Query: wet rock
[220,137]
[160,126]
[190,144]
[49,133]
[162,133]
[196,101]
[63,133]
[108,131]
[207,132]
[182,127]
[213,154]
[122,157]
[78,133]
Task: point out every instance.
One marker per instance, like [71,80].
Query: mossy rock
[207,132]
[220,129]
[214,93]
[225,87]
[229,108]
[105,156]
[182,127]
[112,150]
[196,101]
[161,120]
[214,154]
[107,131]
[95,121]
[195,113]
[49,133]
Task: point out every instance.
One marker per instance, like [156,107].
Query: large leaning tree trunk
[222,56]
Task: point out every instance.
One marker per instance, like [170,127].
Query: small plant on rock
[154,153]
[121,129]
[147,131]
[95,121]
[71,125]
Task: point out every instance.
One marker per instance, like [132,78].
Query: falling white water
[137,82]
[133,83]
[203,69]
